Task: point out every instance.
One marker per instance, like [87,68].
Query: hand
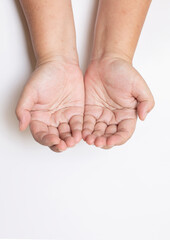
[52,103]
[114,94]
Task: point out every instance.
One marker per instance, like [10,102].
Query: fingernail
[59,150]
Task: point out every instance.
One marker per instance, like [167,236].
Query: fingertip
[62,146]
[144,108]
[77,135]
[50,140]
[143,116]
[59,148]
[70,141]
[110,142]
[100,141]
[90,139]
[85,133]
[22,126]
[24,120]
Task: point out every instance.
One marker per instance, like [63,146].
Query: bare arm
[118,27]
[51,27]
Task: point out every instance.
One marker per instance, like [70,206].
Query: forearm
[51,27]
[118,27]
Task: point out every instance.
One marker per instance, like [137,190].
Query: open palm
[52,103]
[115,93]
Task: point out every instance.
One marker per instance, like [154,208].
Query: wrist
[111,55]
[107,45]
[57,57]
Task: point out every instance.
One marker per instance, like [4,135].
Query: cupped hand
[115,94]
[52,104]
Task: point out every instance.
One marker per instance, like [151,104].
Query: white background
[85,192]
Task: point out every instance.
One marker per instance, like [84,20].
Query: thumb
[24,107]
[144,97]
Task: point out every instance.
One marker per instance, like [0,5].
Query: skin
[52,101]
[115,93]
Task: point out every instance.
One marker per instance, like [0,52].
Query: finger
[101,141]
[124,132]
[65,134]
[24,106]
[88,125]
[110,130]
[144,108]
[99,131]
[76,124]
[53,130]
[90,139]
[59,147]
[144,96]
[41,134]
